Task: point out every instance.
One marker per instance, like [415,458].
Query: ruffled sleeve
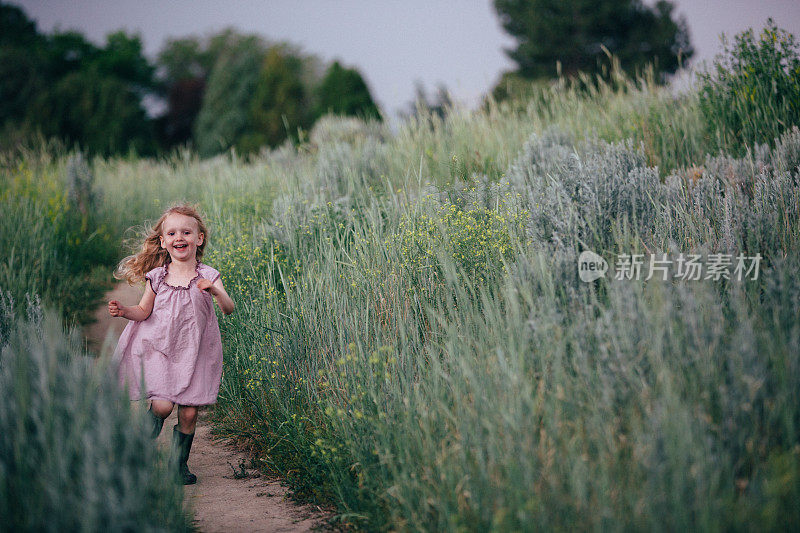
[155,276]
[209,273]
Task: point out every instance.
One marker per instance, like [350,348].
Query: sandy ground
[105,330]
[220,501]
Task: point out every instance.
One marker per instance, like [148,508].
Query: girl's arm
[218,291]
[135,312]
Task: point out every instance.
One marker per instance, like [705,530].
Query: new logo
[591,266]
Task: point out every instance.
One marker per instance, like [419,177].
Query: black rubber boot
[182,445]
[157,422]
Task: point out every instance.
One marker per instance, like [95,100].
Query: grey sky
[392,42]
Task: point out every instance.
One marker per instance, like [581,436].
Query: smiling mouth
[180,246]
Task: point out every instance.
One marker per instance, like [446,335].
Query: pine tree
[563,37]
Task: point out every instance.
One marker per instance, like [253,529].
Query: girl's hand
[204,285]
[115,309]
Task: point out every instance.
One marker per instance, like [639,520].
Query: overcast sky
[392,42]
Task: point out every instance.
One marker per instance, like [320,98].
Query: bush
[752,94]
[582,194]
[477,238]
[53,241]
[73,455]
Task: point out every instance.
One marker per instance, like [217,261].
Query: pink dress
[177,350]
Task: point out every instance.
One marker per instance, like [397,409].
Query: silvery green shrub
[749,204]
[344,170]
[582,195]
[575,194]
[785,157]
[73,455]
[80,184]
[331,129]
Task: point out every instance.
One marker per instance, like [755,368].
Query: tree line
[228,90]
[234,90]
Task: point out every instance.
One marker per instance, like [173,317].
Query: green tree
[184,68]
[194,57]
[16,29]
[22,76]
[344,92]
[183,59]
[123,59]
[280,106]
[224,115]
[95,97]
[21,81]
[184,101]
[67,52]
[570,36]
[102,114]
[64,86]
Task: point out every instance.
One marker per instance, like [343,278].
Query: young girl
[172,343]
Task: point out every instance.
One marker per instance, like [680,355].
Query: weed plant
[422,400]
[55,240]
[73,454]
[752,94]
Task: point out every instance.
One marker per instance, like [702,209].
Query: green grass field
[412,344]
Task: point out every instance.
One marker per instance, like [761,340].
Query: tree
[344,92]
[21,82]
[224,115]
[67,52]
[16,29]
[21,61]
[96,94]
[183,59]
[184,101]
[280,102]
[100,113]
[64,86]
[122,58]
[183,68]
[564,37]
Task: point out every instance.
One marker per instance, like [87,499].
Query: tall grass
[53,238]
[419,399]
[412,342]
[73,455]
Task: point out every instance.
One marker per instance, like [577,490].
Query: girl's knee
[187,414]
[161,408]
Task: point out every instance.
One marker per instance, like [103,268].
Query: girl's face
[180,236]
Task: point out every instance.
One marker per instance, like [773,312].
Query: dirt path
[105,330]
[220,501]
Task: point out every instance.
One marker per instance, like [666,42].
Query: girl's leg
[183,435]
[159,410]
[187,418]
